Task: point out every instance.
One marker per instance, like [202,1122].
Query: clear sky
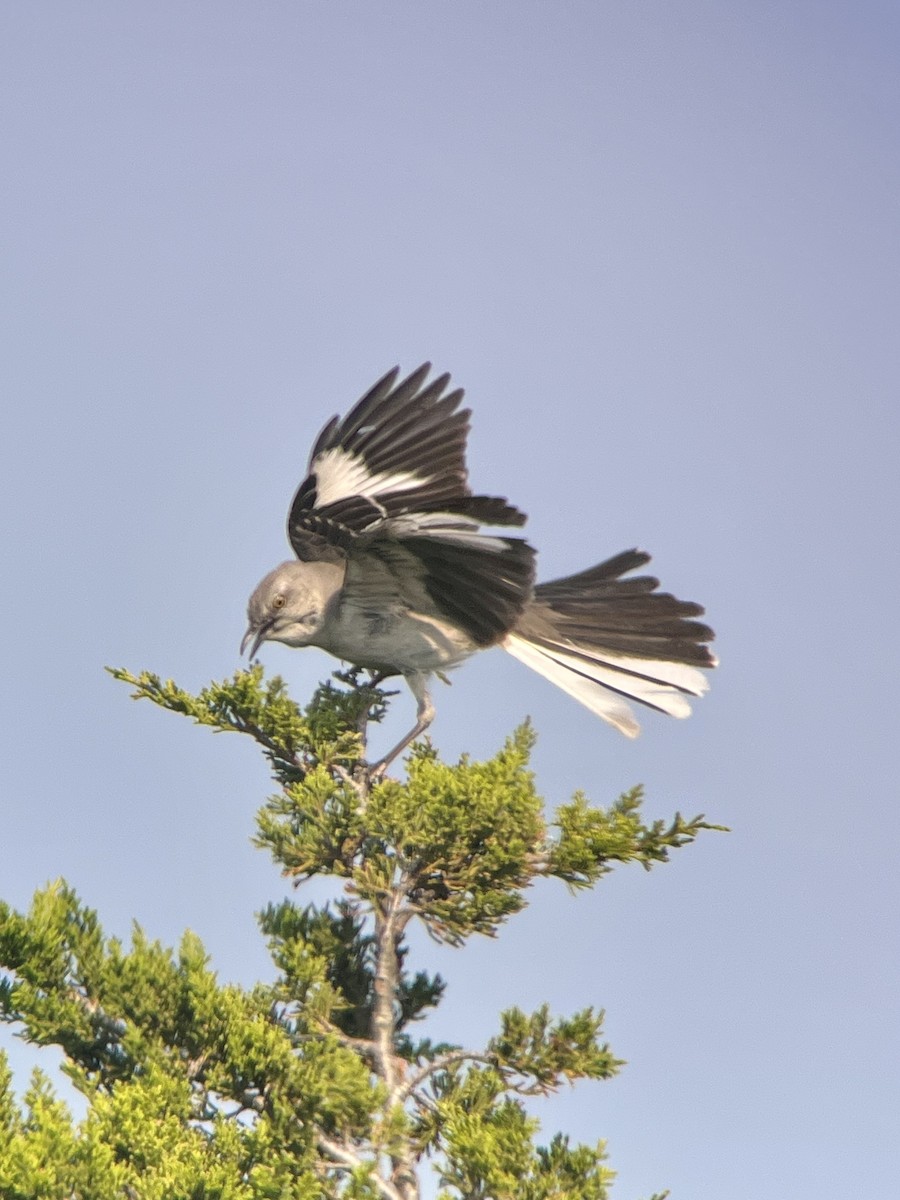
[659,244]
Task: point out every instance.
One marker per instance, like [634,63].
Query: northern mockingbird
[395,573]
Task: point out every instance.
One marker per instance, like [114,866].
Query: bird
[401,569]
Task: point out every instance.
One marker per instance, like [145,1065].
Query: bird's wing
[392,473]
[399,451]
[479,582]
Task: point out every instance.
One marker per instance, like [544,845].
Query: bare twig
[358,785]
[344,1156]
[441,1063]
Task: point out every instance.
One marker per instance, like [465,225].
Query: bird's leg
[376,678]
[418,685]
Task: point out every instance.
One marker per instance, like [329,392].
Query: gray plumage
[396,573]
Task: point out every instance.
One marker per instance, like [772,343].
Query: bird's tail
[606,640]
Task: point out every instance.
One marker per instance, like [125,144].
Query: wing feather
[393,472]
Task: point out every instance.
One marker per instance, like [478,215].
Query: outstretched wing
[393,472]
[399,451]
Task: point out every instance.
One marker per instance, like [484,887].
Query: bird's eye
[278,601]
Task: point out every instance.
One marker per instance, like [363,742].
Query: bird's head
[291,604]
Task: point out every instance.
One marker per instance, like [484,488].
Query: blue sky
[658,244]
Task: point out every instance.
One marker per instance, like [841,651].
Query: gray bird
[395,573]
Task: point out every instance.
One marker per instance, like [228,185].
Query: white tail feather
[588,678]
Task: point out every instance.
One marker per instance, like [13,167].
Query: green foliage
[592,840]
[314,1085]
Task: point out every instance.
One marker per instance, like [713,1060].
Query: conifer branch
[391,917]
[311,1084]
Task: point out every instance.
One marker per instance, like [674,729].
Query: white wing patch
[340,475]
[445,527]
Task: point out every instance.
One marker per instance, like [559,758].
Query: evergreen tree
[316,1085]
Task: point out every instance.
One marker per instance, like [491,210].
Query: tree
[316,1085]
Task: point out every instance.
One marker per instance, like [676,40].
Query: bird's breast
[395,639]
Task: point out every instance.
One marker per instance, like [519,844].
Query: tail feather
[606,640]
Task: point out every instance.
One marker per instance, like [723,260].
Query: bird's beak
[254,637]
